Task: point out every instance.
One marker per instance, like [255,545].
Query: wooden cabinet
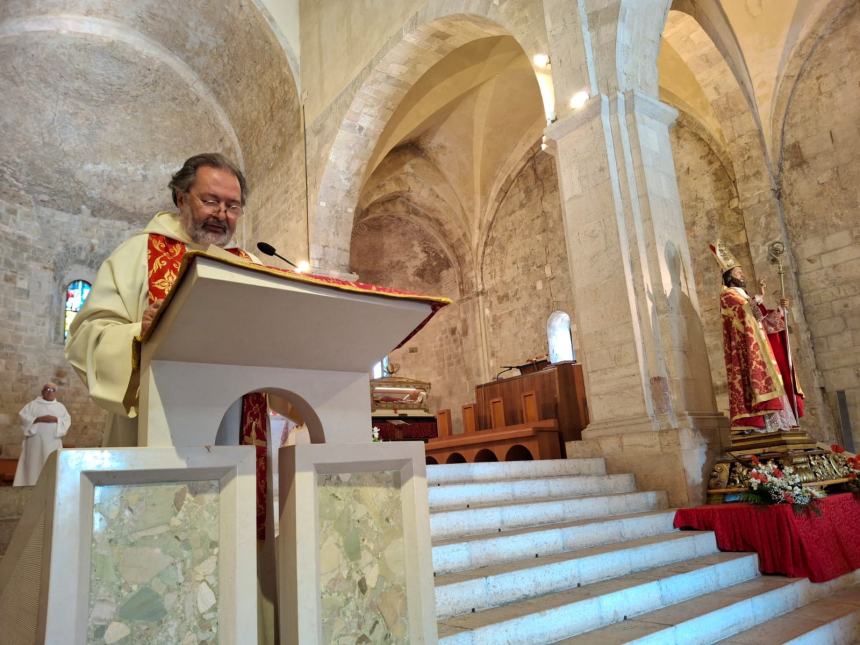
[559,393]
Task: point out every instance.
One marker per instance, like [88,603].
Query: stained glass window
[76,295]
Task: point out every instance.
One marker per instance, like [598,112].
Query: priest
[209,192]
[44,422]
[763,392]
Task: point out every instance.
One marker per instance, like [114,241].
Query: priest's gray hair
[185,176]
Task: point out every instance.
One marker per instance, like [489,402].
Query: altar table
[799,545]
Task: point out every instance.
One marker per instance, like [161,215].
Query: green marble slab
[362,558]
[154,564]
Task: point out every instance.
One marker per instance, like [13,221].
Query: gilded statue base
[814,462]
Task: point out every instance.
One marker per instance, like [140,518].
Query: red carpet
[805,545]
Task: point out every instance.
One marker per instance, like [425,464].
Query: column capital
[558,130]
[648,105]
[632,102]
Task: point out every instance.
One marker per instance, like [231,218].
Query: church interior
[537,162]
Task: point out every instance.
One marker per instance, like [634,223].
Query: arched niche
[518,453]
[485,455]
[297,409]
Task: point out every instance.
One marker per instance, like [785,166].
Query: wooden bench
[526,441]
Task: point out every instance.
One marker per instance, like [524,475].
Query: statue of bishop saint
[764,395]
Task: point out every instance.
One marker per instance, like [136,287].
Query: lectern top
[226,311]
[327,282]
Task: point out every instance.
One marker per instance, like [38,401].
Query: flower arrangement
[770,483]
[374,434]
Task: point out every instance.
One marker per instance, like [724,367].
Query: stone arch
[309,416]
[108,29]
[794,69]
[495,201]
[455,458]
[457,254]
[410,183]
[430,461]
[433,33]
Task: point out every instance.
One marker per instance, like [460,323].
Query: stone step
[552,617]
[493,471]
[498,585]
[480,551]
[451,496]
[706,619]
[446,525]
[834,620]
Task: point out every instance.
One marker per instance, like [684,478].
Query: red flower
[759,476]
[788,497]
[754,460]
[837,448]
[777,473]
[852,475]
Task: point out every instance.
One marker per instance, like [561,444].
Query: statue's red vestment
[756,361]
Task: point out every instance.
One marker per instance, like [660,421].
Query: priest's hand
[149,315]
[762,286]
[785,303]
[46,418]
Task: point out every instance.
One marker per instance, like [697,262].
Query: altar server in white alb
[44,421]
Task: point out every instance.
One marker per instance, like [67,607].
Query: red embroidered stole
[164,256]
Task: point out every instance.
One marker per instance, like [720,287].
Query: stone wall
[525,277]
[391,248]
[710,203]
[525,272]
[820,176]
[42,251]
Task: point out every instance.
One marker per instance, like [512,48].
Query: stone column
[648,381]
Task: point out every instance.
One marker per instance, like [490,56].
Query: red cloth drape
[799,545]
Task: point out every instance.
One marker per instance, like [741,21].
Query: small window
[380,369]
[559,337]
[76,295]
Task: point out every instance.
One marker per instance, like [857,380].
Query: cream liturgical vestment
[40,439]
[102,337]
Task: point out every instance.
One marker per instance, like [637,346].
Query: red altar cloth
[799,545]
[411,430]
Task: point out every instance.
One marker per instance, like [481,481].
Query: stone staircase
[559,551]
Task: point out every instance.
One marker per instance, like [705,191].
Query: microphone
[268,249]
[507,368]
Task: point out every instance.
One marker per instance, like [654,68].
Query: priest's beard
[736,282]
[199,234]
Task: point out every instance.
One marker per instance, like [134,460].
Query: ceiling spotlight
[579,99]
[304,266]
[541,60]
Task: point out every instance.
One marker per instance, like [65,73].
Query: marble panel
[362,558]
[154,563]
